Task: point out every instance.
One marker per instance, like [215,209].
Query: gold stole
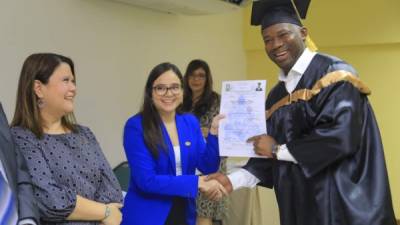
[307,94]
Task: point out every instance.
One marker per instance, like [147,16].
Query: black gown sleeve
[336,132]
[262,169]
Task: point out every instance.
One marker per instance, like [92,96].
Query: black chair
[122,172]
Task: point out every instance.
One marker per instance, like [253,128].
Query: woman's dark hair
[39,66]
[151,121]
[208,97]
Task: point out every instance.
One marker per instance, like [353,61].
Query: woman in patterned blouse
[203,102]
[73,182]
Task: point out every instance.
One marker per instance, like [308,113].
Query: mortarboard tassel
[309,42]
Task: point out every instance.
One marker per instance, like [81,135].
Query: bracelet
[274,151]
[107,212]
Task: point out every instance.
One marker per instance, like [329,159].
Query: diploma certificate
[243,104]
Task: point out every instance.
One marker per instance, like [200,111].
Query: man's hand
[262,144]
[222,179]
[212,189]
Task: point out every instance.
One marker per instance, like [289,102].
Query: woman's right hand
[115,216]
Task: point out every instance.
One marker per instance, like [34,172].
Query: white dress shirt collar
[293,77]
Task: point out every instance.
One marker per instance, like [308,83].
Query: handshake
[215,186]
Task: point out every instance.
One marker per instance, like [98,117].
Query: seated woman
[201,100]
[73,182]
[164,147]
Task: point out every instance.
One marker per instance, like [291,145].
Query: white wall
[114,46]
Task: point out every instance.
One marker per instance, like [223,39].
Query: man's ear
[303,33]
[38,88]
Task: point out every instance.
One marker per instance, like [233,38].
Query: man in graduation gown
[326,161]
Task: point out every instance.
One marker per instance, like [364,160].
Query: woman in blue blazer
[164,147]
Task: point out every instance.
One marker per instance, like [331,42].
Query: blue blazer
[153,182]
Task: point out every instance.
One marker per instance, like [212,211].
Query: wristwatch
[274,151]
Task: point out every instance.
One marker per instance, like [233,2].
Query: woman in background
[203,102]
[72,180]
[164,148]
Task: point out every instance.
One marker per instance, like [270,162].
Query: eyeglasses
[197,77]
[162,90]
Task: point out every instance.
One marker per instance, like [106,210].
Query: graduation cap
[269,12]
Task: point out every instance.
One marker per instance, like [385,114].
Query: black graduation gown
[341,176]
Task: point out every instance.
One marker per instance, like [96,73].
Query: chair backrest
[122,172]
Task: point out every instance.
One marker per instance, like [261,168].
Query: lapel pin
[188,143]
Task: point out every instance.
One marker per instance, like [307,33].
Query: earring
[40,102]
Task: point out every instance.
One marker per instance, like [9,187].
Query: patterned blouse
[63,166]
[206,119]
